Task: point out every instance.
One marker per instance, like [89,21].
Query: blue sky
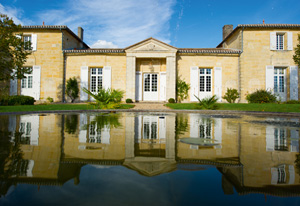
[180,23]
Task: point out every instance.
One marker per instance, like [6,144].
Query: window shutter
[162,128]
[289,41]
[36,81]
[272,40]
[194,125]
[106,77]
[84,78]
[218,132]
[194,81]
[269,138]
[292,174]
[34,41]
[13,90]
[105,135]
[218,83]
[270,78]
[138,86]
[82,128]
[293,83]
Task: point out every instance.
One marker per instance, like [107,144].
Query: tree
[182,89]
[13,50]
[296,57]
[72,89]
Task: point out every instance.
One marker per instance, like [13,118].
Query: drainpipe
[239,64]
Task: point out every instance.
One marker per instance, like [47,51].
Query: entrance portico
[150,71]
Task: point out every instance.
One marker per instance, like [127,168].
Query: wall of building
[117,63]
[257,55]
[49,56]
[229,64]
[70,42]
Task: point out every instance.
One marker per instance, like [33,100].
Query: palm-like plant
[208,102]
[106,98]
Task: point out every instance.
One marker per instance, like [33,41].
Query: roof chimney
[80,33]
[227,29]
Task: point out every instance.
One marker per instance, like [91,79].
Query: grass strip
[240,107]
[53,107]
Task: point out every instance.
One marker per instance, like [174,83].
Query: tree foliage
[13,54]
[296,57]
[72,89]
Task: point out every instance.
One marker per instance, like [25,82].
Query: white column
[129,137]
[130,77]
[170,137]
[171,77]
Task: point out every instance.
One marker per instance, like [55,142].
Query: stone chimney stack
[80,33]
[227,29]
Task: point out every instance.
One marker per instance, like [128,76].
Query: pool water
[148,159]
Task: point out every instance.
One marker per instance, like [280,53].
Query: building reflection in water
[252,156]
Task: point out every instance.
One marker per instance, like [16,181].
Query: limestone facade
[250,57]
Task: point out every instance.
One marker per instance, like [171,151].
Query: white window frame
[206,73]
[27,38]
[280,41]
[95,86]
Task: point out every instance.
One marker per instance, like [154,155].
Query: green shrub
[171,100]
[106,98]
[292,102]
[182,90]
[231,95]
[208,103]
[129,100]
[261,96]
[16,100]
[72,89]
[50,99]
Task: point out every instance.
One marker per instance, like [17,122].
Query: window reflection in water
[150,134]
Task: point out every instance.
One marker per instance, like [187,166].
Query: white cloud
[15,14]
[104,44]
[121,22]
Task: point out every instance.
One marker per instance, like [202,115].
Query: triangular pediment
[150,45]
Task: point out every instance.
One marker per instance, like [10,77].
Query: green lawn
[242,107]
[53,107]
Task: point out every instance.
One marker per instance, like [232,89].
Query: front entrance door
[150,87]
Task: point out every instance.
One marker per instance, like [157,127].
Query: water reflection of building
[255,158]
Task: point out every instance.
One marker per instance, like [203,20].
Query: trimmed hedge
[129,100]
[16,100]
[171,100]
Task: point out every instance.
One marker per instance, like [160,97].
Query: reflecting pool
[148,159]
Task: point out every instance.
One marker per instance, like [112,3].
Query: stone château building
[250,57]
